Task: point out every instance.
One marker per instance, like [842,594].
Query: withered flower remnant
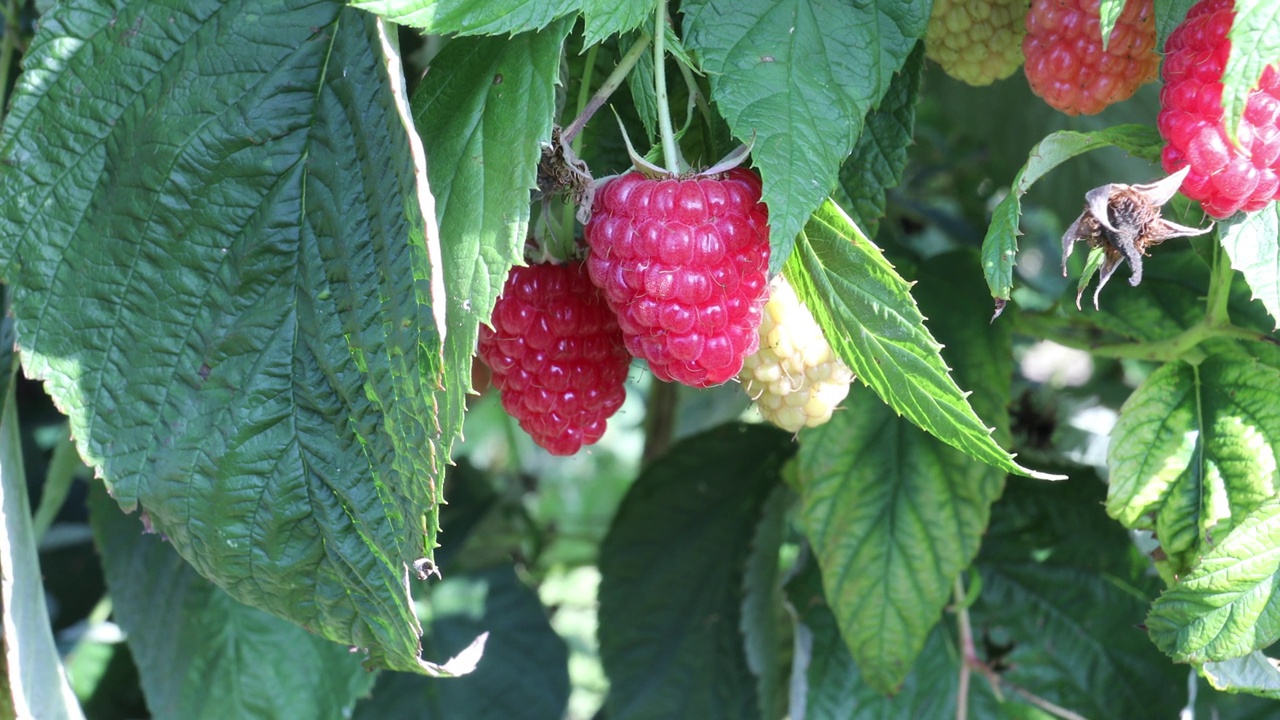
[1125,220]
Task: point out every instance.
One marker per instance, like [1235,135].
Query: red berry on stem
[1065,62]
[683,263]
[1223,177]
[557,355]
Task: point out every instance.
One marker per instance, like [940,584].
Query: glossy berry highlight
[795,378]
[1066,64]
[977,41]
[1223,177]
[683,263]
[557,355]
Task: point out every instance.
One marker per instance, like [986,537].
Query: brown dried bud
[1125,220]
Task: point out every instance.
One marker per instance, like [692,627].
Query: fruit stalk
[670,153]
[611,84]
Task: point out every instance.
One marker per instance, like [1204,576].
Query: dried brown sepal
[1125,220]
[561,170]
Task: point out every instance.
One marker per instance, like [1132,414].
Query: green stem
[8,48]
[583,96]
[670,153]
[967,651]
[567,226]
[611,84]
[695,94]
[1064,332]
[1216,314]
[660,419]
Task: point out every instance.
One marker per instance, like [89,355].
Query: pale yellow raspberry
[977,41]
[795,378]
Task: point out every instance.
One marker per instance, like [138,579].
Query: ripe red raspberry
[1066,64]
[977,41]
[557,355]
[683,263]
[1223,177]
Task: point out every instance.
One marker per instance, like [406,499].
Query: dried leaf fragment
[1124,221]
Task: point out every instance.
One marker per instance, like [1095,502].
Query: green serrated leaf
[800,76]
[686,524]
[1227,606]
[1169,14]
[880,155]
[221,271]
[828,685]
[1050,561]
[1255,44]
[893,516]
[867,313]
[35,682]
[501,17]
[1108,13]
[471,17]
[1001,242]
[1254,673]
[525,670]
[483,111]
[1195,449]
[1252,241]
[200,653]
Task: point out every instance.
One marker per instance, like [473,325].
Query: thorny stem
[611,83]
[8,47]
[670,153]
[970,661]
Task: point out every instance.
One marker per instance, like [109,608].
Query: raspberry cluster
[795,378]
[1066,64]
[683,263]
[976,41]
[1223,177]
[557,355]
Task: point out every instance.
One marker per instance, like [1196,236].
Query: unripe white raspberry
[977,41]
[795,378]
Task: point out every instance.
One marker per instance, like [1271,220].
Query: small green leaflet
[202,655]
[1169,13]
[502,17]
[880,155]
[1254,673]
[1195,449]
[223,276]
[1001,243]
[1228,606]
[687,525]
[1108,12]
[868,315]
[1255,44]
[483,111]
[800,76]
[1252,241]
